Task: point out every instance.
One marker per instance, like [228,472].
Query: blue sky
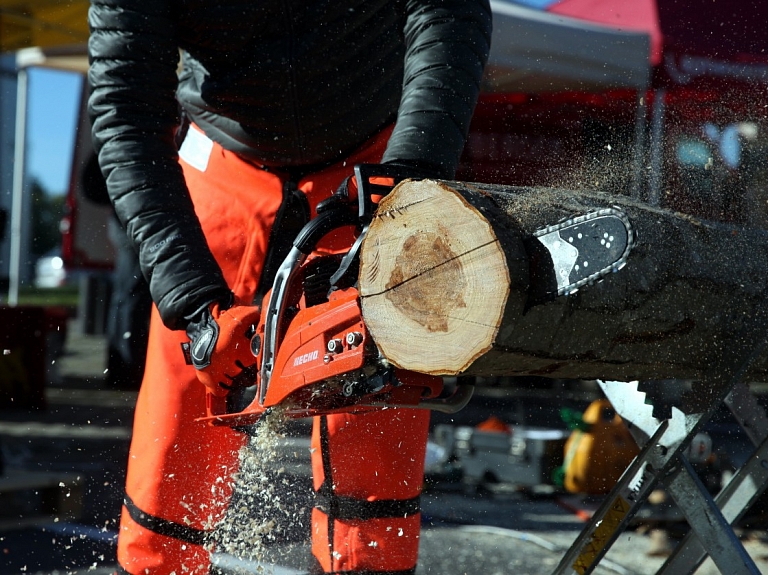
[54,99]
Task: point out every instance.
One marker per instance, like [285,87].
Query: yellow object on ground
[596,457]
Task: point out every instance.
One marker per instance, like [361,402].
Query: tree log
[444,285]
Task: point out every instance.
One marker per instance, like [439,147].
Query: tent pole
[17,200]
[657,147]
[638,160]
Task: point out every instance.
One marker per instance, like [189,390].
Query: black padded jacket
[289,83]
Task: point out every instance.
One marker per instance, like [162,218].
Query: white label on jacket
[196,149]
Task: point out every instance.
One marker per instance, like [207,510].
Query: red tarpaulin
[623,15]
[718,29]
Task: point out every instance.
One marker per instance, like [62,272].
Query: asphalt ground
[63,482]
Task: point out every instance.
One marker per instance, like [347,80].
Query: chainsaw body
[314,355]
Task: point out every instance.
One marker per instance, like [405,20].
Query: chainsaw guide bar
[578,251]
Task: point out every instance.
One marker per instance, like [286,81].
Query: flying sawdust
[261,507]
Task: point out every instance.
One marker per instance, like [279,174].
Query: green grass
[66,296]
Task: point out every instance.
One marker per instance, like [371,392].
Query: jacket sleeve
[134,57]
[447,45]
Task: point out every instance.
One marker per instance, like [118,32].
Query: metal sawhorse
[661,461]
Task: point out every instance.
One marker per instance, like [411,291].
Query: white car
[50,271]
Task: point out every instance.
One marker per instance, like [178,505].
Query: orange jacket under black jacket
[285,83]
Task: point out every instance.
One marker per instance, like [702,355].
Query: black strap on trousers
[164,526]
[345,508]
[406,572]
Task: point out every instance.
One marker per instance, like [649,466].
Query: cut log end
[434,279]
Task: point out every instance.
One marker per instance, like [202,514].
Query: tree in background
[47,211]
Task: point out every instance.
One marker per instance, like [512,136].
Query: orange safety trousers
[368,468]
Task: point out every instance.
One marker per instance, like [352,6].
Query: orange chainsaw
[314,355]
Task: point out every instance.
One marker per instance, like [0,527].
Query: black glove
[220,344]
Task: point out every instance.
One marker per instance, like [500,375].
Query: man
[278,100]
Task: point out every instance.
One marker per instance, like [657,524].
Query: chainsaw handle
[335,217]
[335,211]
[366,188]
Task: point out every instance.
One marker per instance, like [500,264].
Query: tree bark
[444,284]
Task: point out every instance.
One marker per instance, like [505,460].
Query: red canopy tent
[552,45]
[626,15]
[662,99]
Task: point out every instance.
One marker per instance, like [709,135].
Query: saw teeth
[661,404]
[630,403]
